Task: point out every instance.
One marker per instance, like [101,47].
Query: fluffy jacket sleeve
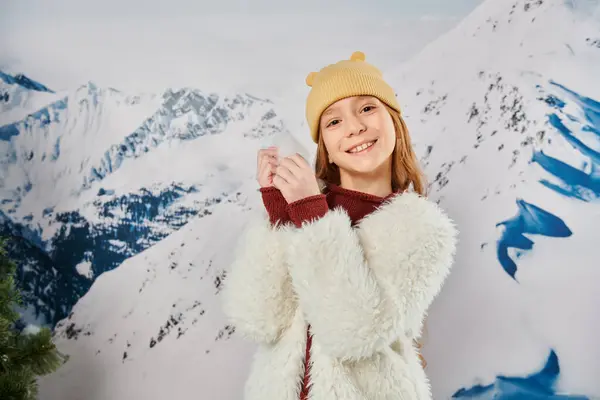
[361,289]
[257,296]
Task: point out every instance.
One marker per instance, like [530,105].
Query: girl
[335,278]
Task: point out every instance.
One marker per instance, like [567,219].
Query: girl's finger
[292,167]
[262,153]
[270,151]
[279,182]
[268,158]
[262,163]
[285,173]
[299,161]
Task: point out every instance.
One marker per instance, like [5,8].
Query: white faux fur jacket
[364,290]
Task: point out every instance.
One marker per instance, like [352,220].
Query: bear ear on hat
[310,78]
[357,56]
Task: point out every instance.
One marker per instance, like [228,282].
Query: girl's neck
[377,184]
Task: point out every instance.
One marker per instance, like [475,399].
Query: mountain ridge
[64,190]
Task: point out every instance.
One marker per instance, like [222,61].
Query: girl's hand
[266,163]
[295,179]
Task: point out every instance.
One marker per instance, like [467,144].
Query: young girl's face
[358,133]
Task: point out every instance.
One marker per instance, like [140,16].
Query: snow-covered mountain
[505,114]
[96,176]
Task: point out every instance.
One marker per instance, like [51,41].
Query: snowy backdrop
[123,208]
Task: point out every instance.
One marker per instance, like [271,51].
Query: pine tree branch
[38,352]
[18,384]
[22,356]
[9,295]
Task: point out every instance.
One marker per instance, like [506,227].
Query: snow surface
[505,115]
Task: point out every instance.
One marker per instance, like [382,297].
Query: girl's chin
[363,166]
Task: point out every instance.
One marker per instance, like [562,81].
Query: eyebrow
[329,111]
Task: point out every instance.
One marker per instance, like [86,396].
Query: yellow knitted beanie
[346,78]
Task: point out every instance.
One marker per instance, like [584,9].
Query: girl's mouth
[363,148]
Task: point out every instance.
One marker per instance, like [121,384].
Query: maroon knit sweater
[356,204]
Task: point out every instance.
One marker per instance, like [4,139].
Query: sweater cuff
[307,209]
[275,204]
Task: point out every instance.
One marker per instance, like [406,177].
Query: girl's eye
[332,122]
[368,108]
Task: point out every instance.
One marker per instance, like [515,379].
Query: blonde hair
[405,166]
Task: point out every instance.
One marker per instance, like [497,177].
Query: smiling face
[359,135]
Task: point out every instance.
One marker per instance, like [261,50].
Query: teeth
[362,147]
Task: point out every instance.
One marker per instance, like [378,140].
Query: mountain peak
[24,81]
[89,88]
